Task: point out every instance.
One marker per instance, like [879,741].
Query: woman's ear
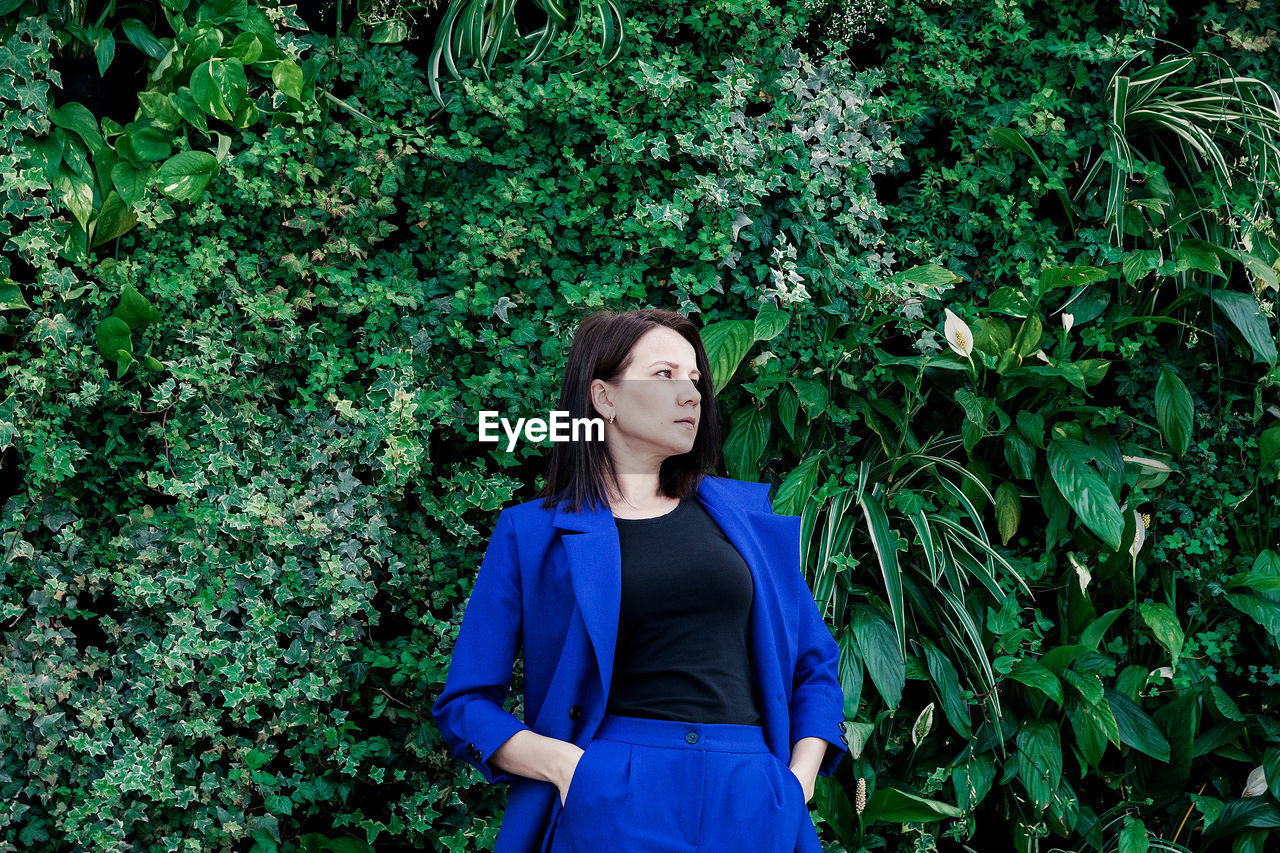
[600,397]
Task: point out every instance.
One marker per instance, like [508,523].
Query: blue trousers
[657,786]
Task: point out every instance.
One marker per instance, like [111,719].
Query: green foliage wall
[231,577]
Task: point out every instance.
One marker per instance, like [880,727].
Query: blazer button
[575,713]
[841,725]
[691,737]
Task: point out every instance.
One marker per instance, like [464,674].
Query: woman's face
[656,401]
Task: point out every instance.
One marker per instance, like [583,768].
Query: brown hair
[578,471]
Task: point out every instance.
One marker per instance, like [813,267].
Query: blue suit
[551,580]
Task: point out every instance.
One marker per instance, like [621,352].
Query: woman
[680,686]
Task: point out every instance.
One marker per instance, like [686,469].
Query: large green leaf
[1079,276]
[1032,674]
[185,175]
[972,780]
[1093,634]
[1008,511]
[1040,760]
[1174,411]
[727,343]
[747,440]
[1011,301]
[1164,625]
[1085,490]
[947,682]
[878,648]
[288,78]
[798,486]
[219,86]
[1094,726]
[770,322]
[1136,728]
[130,182]
[1200,255]
[77,118]
[893,806]
[926,276]
[11,298]
[135,309]
[1269,450]
[850,673]
[78,193]
[115,218]
[1243,312]
[114,340]
[885,542]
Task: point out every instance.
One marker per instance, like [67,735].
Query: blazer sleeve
[817,701]
[469,711]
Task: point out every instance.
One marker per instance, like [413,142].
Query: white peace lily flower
[1256,784]
[1163,672]
[1139,535]
[1068,320]
[1082,574]
[958,334]
[1040,355]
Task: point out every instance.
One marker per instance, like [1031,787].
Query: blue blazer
[551,581]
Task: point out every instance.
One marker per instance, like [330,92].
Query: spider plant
[1226,128]
[935,589]
[479,30]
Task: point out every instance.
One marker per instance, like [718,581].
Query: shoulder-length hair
[579,470]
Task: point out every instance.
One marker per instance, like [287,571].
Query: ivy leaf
[1133,838]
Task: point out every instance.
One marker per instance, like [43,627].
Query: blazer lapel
[595,568]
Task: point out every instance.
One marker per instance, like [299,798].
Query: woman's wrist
[536,756]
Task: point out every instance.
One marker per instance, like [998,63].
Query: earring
[612,416]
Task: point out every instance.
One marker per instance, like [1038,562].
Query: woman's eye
[663,371]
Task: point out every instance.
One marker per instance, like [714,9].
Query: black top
[682,651]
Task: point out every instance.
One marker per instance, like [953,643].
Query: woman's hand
[536,756]
[573,756]
[806,758]
[807,782]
